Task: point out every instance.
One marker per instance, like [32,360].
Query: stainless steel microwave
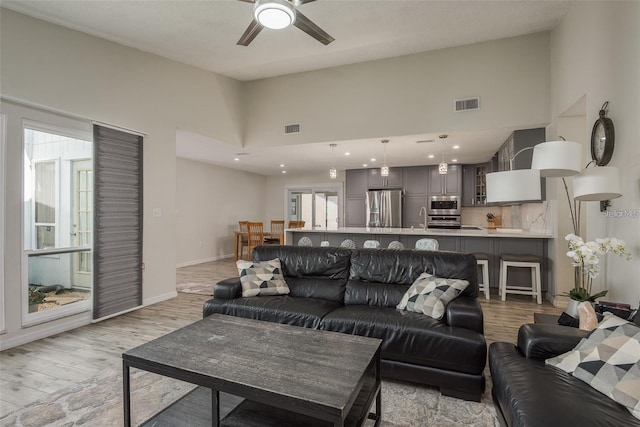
[444,205]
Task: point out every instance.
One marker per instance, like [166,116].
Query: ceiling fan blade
[251,1]
[250,33]
[306,25]
[299,2]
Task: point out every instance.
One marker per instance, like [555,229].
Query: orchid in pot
[585,256]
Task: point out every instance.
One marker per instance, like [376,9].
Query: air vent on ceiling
[466,104]
[292,128]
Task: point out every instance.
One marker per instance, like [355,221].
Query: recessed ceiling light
[236,159]
[454,160]
[281,166]
[455,147]
[373,160]
[364,165]
[347,153]
[284,171]
[431,156]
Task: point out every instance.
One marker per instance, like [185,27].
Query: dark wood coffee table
[327,378]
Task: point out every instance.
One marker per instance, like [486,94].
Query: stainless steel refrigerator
[384,208]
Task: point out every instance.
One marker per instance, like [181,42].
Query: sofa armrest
[540,342]
[465,312]
[228,289]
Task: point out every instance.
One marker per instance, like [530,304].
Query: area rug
[98,402]
[195,288]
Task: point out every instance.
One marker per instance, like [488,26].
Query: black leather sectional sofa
[528,393]
[355,291]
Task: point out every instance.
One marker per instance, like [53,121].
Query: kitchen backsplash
[534,217]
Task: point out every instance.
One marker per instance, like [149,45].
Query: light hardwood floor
[32,371]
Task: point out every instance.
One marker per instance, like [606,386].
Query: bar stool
[483,263]
[523,261]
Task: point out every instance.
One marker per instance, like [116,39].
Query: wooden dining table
[238,235]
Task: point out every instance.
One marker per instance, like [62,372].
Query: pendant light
[443,167]
[384,170]
[333,173]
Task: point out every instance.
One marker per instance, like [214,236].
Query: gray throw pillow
[430,295]
[262,278]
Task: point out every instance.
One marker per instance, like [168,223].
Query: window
[58,206]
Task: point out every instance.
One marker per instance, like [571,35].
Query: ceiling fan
[278,14]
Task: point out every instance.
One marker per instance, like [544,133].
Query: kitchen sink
[470,227]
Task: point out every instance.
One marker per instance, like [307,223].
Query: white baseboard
[159,298]
[203,260]
[28,335]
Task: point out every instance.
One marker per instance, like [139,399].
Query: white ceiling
[204,34]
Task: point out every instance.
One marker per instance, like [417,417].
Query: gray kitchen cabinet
[517,141]
[411,211]
[356,183]
[355,212]
[449,184]
[378,182]
[474,184]
[416,179]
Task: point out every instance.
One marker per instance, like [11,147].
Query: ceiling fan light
[274,14]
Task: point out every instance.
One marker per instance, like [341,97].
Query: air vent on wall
[292,128]
[466,104]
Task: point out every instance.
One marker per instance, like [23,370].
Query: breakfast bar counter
[472,239]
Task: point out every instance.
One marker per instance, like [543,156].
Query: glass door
[318,207]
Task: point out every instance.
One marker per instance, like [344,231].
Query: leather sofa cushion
[404,266]
[301,261]
[531,394]
[412,337]
[317,287]
[285,309]
[374,294]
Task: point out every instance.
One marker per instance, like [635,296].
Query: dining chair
[276,234]
[256,236]
[296,224]
[243,239]
[427,245]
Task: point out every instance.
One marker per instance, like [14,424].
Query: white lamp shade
[513,186]
[557,158]
[597,184]
[274,14]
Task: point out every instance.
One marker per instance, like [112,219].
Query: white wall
[94,78]
[595,51]
[406,95]
[210,201]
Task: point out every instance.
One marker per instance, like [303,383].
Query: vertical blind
[117,246]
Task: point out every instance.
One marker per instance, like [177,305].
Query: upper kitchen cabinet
[416,179]
[474,182]
[449,184]
[356,183]
[517,141]
[377,181]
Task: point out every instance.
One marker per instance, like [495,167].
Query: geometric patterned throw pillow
[430,295]
[613,368]
[610,326]
[261,278]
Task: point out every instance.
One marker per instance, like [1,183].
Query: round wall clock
[602,138]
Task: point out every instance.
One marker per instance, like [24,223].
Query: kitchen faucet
[423,209]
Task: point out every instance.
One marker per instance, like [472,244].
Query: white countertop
[483,232]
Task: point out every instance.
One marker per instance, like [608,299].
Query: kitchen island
[472,239]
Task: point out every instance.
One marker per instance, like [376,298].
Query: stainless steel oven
[444,212]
